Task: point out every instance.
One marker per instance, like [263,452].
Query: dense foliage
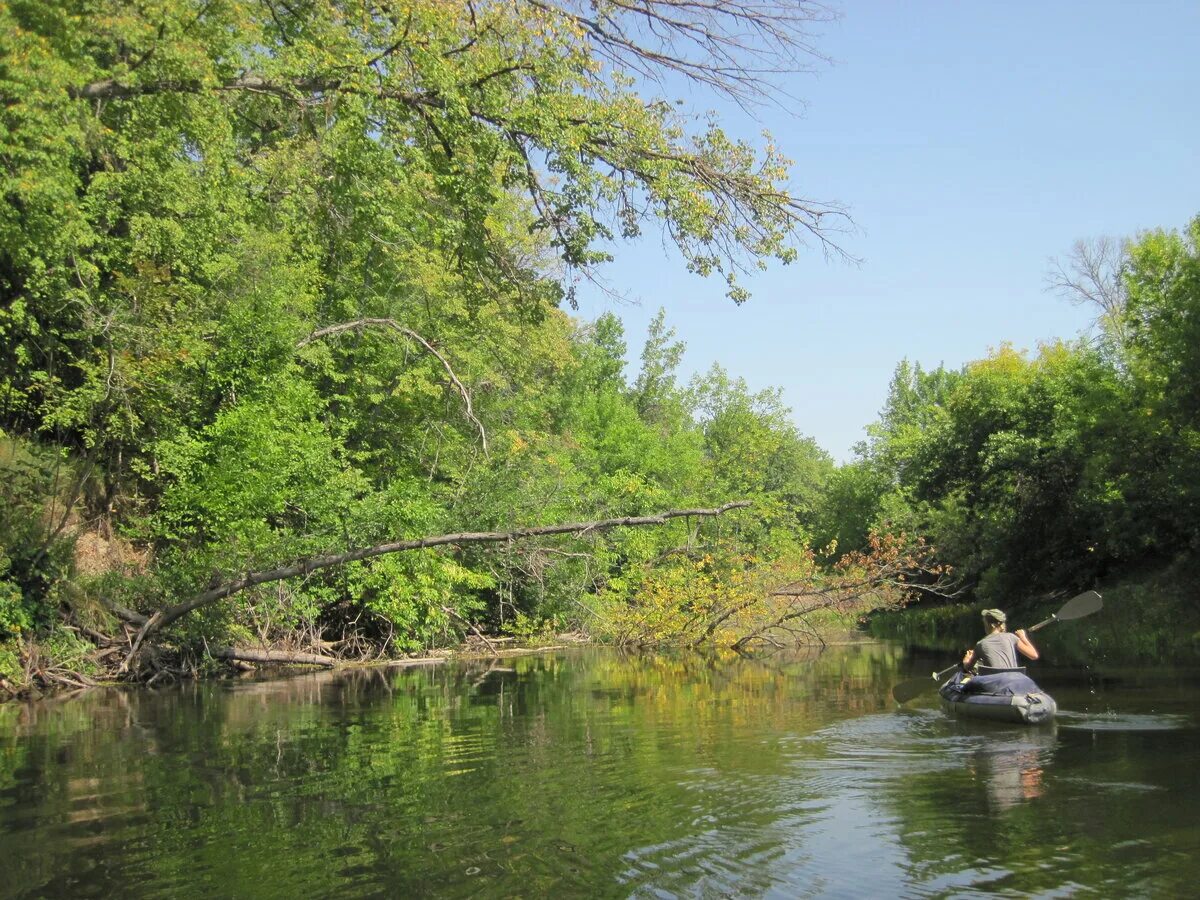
[1052,471]
[280,279]
[287,278]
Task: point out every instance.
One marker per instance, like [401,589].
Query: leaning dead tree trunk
[165,617]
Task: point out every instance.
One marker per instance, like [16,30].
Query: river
[589,773]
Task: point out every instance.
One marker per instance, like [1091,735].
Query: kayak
[1002,695]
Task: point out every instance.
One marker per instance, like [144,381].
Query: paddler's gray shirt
[998,650]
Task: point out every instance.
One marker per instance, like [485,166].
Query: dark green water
[591,774]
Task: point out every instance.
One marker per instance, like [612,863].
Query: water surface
[589,773]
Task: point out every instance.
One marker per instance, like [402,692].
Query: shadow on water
[595,774]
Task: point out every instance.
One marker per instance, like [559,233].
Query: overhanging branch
[165,617]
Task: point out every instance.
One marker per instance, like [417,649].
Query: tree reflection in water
[595,774]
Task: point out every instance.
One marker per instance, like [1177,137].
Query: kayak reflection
[1010,765]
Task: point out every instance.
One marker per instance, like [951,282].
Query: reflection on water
[1114,721]
[1012,765]
[595,774]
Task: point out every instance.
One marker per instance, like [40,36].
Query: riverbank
[44,675]
[55,666]
[1151,616]
[715,604]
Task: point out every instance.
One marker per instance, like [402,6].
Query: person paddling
[998,649]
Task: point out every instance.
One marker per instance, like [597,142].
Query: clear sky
[971,142]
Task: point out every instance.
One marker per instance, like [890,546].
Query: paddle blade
[1083,605]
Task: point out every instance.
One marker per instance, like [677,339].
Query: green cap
[996,615]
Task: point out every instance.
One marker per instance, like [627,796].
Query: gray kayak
[1001,695]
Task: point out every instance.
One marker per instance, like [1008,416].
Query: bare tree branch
[1091,275]
[734,47]
[359,324]
[454,614]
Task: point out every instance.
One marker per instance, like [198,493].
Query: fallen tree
[164,617]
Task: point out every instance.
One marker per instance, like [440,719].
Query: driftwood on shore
[164,617]
[242,654]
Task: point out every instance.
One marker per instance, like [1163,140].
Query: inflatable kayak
[1003,695]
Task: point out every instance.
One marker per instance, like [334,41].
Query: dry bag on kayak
[1010,696]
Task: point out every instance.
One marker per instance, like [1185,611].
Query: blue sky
[971,142]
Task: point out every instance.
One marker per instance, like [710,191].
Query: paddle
[1076,608]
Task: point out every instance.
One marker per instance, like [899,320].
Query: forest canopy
[283,278]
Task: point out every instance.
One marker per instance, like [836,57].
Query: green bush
[11,669]
[14,616]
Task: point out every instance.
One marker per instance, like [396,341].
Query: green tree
[290,278]
[1162,320]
